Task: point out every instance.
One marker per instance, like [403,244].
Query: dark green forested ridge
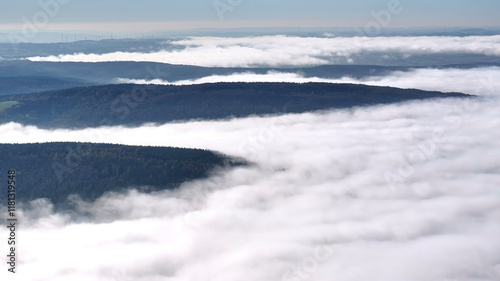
[133,105]
[56,170]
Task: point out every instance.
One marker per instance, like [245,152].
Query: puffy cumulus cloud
[278,51]
[477,81]
[387,193]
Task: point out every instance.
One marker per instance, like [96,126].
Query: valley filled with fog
[403,191]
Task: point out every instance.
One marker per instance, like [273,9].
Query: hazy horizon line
[28,35]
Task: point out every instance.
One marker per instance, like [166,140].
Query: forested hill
[57,170]
[133,105]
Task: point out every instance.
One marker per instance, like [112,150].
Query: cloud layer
[476,81]
[387,193]
[276,51]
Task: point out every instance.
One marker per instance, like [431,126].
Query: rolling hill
[133,105]
[58,170]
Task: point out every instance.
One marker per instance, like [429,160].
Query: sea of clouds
[276,51]
[470,80]
[396,192]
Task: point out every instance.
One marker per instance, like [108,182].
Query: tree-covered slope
[134,105]
[31,84]
[56,170]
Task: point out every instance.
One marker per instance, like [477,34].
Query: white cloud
[278,51]
[477,81]
[395,192]
[317,204]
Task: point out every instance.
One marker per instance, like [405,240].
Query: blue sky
[123,15]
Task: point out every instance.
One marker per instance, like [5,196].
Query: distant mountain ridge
[21,76]
[134,105]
